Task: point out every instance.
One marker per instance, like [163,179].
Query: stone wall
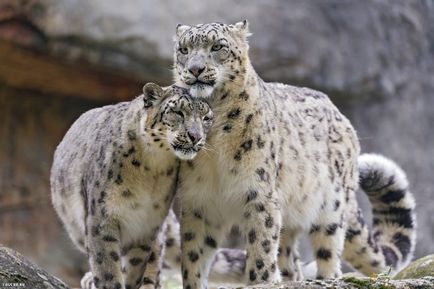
[375,58]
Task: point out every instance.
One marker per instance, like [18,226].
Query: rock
[18,272]
[418,269]
[60,78]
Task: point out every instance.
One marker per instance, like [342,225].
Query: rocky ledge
[17,271]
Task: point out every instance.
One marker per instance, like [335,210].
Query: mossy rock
[420,268]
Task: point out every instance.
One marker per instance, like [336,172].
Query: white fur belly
[221,198]
[301,205]
[300,214]
[137,218]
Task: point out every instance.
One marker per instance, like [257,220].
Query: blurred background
[59,58]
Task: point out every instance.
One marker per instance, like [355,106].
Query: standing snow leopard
[113,180]
[284,161]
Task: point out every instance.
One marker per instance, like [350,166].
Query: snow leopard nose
[194,136]
[196,69]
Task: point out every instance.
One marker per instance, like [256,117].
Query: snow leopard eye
[216,47]
[183,50]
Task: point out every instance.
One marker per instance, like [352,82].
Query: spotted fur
[113,180]
[227,267]
[284,161]
[392,240]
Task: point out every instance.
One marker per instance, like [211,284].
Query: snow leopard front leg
[134,260]
[199,242]
[151,277]
[103,240]
[262,223]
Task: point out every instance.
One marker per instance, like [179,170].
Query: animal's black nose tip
[194,137]
[196,70]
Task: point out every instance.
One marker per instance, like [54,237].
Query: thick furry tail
[390,245]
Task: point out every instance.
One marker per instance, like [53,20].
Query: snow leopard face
[180,120]
[210,56]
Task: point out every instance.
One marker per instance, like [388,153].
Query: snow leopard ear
[152,94]
[241,29]
[180,29]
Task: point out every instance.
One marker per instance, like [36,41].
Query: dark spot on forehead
[178,98]
[204,33]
